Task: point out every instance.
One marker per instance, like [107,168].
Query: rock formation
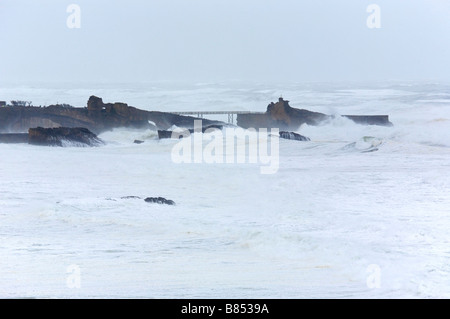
[156,200]
[96,117]
[60,136]
[281,115]
[159,200]
[63,136]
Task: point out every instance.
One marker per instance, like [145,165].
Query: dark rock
[62,136]
[293,136]
[291,117]
[159,200]
[165,134]
[138,142]
[382,120]
[281,115]
[97,117]
[111,115]
[130,197]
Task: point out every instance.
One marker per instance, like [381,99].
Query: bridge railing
[231,114]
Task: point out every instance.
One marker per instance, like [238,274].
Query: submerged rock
[138,142]
[293,136]
[63,136]
[159,200]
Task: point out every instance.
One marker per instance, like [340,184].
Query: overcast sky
[216,40]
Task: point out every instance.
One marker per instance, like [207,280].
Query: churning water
[334,221]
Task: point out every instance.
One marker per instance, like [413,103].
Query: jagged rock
[293,136]
[159,200]
[62,136]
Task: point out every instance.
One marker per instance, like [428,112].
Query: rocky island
[281,115]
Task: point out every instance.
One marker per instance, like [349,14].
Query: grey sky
[213,40]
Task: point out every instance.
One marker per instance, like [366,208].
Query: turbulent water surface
[335,220]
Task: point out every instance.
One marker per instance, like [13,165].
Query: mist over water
[315,229]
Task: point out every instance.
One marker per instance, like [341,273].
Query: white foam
[311,230]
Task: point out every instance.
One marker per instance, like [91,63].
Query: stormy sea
[359,211]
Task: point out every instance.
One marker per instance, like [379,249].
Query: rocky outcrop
[121,115]
[289,117]
[97,117]
[63,136]
[293,136]
[281,115]
[159,200]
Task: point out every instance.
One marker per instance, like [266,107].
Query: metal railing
[230,114]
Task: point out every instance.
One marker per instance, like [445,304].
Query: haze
[212,40]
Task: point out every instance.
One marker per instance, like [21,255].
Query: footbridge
[232,115]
